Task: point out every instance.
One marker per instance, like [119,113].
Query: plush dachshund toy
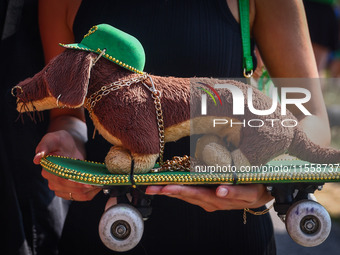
[137,112]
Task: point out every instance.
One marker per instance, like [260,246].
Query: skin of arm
[55,24]
[281,34]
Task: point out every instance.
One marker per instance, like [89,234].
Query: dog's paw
[211,150]
[216,154]
[239,159]
[118,161]
[144,162]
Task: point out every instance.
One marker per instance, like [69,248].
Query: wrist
[75,127]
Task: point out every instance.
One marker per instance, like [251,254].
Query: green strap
[245,34]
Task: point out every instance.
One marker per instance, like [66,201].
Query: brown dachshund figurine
[136,112]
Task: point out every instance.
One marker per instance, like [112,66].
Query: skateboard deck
[280,170]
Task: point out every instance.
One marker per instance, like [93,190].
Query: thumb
[38,156]
[47,145]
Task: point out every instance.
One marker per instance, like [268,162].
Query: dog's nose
[15,92]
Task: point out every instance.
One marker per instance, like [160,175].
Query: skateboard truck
[287,194]
[139,200]
[121,226]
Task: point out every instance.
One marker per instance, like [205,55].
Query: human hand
[62,143]
[224,197]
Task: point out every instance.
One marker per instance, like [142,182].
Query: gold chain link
[177,163]
[105,90]
[245,210]
[160,122]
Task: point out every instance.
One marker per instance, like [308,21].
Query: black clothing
[180,38]
[32,217]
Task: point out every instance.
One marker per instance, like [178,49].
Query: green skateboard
[290,181]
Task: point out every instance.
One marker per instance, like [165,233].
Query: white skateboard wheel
[308,223]
[121,227]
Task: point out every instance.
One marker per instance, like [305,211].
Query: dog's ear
[67,77]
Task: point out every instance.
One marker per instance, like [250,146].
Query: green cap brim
[79,46]
[120,47]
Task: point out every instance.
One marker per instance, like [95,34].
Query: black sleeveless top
[180,38]
[185,39]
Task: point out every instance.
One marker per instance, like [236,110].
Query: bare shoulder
[57,10]
[56,19]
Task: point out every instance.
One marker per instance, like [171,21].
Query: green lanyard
[245,34]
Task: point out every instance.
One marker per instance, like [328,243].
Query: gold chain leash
[160,123]
[177,163]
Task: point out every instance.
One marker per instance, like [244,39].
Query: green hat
[121,48]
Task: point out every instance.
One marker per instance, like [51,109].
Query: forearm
[281,33]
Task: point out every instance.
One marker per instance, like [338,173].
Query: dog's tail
[303,148]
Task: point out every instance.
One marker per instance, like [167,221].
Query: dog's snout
[17,91]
